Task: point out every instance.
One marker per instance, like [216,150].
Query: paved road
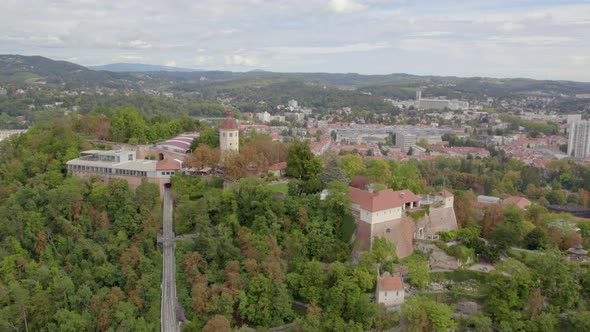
[168,320]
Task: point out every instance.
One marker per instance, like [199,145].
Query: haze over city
[535,39]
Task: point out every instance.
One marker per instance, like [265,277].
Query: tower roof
[229,123]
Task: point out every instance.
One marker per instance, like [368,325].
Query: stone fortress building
[384,214]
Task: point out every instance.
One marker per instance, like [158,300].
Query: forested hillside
[74,255]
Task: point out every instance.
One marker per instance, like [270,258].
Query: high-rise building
[579,140]
[405,141]
[418,94]
[229,135]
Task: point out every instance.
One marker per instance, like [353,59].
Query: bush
[447,236]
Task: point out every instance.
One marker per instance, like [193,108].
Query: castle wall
[399,231]
[438,219]
[381,216]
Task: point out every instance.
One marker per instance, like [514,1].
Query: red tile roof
[382,200]
[445,193]
[521,202]
[229,123]
[390,284]
[278,166]
[167,165]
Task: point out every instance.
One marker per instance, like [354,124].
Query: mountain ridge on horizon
[140,67]
[25,70]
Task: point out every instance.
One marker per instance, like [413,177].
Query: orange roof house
[278,169]
[381,200]
[521,202]
[390,290]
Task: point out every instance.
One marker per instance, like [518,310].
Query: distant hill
[37,64]
[21,70]
[258,71]
[139,67]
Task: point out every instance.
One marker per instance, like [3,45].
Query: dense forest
[74,255]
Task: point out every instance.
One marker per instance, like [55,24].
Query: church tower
[229,135]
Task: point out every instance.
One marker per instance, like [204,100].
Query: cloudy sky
[500,38]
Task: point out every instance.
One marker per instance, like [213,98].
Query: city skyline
[533,39]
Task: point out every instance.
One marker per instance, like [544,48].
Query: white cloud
[202,60]
[510,27]
[432,33]
[240,60]
[580,59]
[135,44]
[360,47]
[171,63]
[533,40]
[129,57]
[345,6]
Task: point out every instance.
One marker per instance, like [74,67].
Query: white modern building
[122,164]
[579,140]
[4,134]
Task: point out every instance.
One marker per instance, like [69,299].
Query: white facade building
[390,291]
[579,140]
[263,117]
[405,141]
[4,134]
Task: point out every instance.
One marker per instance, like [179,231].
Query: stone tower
[229,135]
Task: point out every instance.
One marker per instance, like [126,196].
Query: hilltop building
[4,134]
[579,140]
[229,136]
[122,164]
[384,214]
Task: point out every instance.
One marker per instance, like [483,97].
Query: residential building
[405,141]
[263,117]
[278,169]
[579,140]
[521,202]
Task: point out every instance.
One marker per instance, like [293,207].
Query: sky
[516,38]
